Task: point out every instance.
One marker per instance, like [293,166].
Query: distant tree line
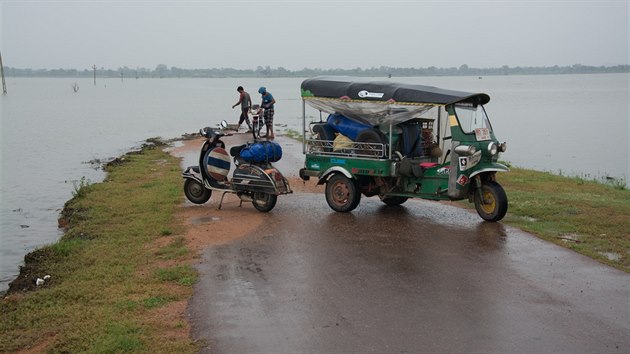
[163,71]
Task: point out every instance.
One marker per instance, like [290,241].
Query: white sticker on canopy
[367,94]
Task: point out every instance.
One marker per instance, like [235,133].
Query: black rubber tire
[393,201]
[370,136]
[196,192]
[264,202]
[494,205]
[342,193]
[323,132]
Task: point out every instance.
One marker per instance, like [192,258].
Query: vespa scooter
[256,182]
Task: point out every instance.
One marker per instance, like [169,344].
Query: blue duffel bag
[264,151]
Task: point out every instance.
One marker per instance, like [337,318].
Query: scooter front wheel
[196,192]
[264,202]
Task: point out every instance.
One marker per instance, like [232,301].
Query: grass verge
[115,274]
[586,216]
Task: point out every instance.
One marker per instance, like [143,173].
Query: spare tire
[326,133]
[371,136]
[323,132]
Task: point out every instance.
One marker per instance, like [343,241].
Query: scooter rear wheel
[196,192]
[264,202]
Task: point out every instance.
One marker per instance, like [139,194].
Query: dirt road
[422,277]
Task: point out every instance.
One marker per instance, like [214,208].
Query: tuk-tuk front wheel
[491,203]
[342,193]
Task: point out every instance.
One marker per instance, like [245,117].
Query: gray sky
[314,34]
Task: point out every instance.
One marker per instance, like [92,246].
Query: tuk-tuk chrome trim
[335,169]
[496,167]
[493,148]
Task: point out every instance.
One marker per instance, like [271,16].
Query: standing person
[246,103]
[267,103]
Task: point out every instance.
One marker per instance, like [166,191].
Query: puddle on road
[204,220]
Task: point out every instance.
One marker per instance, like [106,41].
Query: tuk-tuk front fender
[489,167]
[335,169]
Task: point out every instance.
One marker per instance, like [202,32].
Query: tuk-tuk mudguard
[490,167]
[323,177]
[459,183]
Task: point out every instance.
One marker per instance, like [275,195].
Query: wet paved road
[422,277]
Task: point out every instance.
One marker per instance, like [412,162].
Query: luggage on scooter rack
[262,151]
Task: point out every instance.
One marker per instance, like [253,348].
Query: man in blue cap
[267,103]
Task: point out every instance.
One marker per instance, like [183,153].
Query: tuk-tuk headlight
[493,149]
[465,150]
[503,147]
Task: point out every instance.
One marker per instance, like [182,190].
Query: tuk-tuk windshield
[471,117]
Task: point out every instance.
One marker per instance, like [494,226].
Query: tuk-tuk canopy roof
[378,102]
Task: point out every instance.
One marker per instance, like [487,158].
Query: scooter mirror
[224,124]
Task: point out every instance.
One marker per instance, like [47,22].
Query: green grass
[106,283]
[589,217]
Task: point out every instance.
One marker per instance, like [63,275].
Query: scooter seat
[235,151]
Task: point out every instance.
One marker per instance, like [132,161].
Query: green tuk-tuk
[400,141]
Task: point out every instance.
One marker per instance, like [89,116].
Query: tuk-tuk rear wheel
[342,193]
[491,204]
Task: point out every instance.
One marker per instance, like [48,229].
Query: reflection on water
[556,123]
[490,236]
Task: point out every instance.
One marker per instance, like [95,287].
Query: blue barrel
[346,126]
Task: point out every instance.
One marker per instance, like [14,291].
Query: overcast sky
[315,34]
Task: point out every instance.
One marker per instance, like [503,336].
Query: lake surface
[568,124]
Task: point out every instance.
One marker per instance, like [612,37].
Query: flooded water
[569,124]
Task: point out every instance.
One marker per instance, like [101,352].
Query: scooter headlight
[493,149]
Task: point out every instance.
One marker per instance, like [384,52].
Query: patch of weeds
[66,247]
[119,336]
[173,250]
[127,305]
[181,274]
[166,232]
[295,135]
[152,143]
[155,301]
[617,183]
[81,187]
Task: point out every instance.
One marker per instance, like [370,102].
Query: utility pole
[4,85]
[94,68]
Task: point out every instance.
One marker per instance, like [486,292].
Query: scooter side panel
[252,178]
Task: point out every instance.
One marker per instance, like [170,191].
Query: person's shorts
[268,116]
